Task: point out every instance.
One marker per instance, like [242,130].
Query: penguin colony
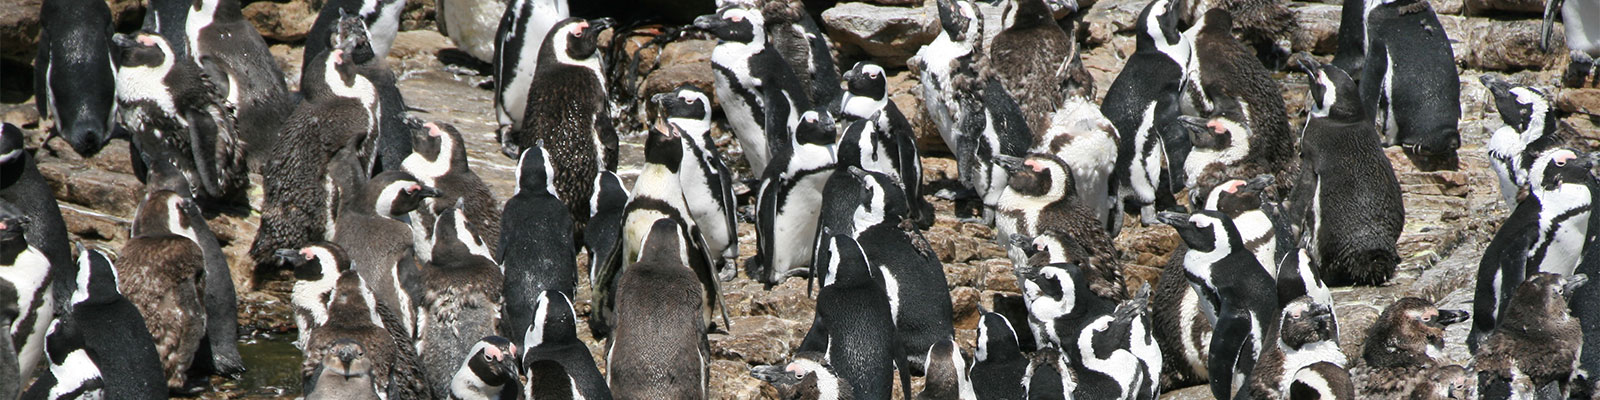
[412,281]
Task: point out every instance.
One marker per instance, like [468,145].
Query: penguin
[316,273]
[392,144]
[537,252]
[748,72]
[471,25]
[553,337]
[1242,201]
[345,373]
[439,160]
[1061,304]
[118,346]
[165,100]
[603,234]
[1307,333]
[1352,231]
[659,348]
[1245,131]
[8,353]
[707,182]
[867,98]
[74,73]
[235,57]
[73,373]
[161,270]
[369,229]
[946,372]
[1322,380]
[1406,340]
[1143,104]
[1265,26]
[1420,115]
[548,380]
[994,128]
[795,33]
[1181,326]
[789,197]
[1449,382]
[298,200]
[381,17]
[1037,62]
[910,270]
[1042,197]
[1086,141]
[490,371]
[855,322]
[1240,297]
[1581,39]
[1545,233]
[1534,351]
[354,314]
[461,302]
[1047,375]
[953,55]
[517,41]
[1131,367]
[999,365]
[808,377]
[568,108]
[1531,128]
[25,273]
[23,186]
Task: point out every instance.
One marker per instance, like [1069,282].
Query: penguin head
[1205,231]
[11,145]
[453,241]
[1542,296]
[1519,106]
[62,339]
[1042,176]
[165,212]
[1452,382]
[809,375]
[735,23]
[847,264]
[868,86]
[1560,169]
[1225,129]
[395,193]
[664,147]
[1409,329]
[97,280]
[687,106]
[13,222]
[436,149]
[816,129]
[996,339]
[1238,196]
[1333,93]
[961,19]
[1304,321]
[350,33]
[346,358]
[535,174]
[554,321]
[946,368]
[1052,290]
[576,41]
[853,144]
[1126,324]
[492,362]
[881,200]
[608,193]
[315,262]
[1158,27]
[1022,14]
[1216,21]
[664,245]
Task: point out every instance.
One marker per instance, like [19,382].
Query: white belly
[28,274]
[473,24]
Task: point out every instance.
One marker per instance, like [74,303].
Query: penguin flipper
[603,288]
[222,320]
[816,339]
[1551,8]
[1228,340]
[606,131]
[709,275]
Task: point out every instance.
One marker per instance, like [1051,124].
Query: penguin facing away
[1322,380]
[1421,114]
[855,323]
[998,365]
[161,270]
[553,338]
[462,300]
[659,347]
[946,372]
[74,74]
[537,252]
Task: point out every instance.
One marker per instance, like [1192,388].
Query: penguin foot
[956,195]
[1579,71]
[727,272]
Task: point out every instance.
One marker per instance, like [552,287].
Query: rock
[732,380]
[1319,28]
[1482,7]
[1488,44]
[758,340]
[1451,7]
[685,61]
[417,44]
[418,15]
[1109,17]
[964,301]
[281,22]
[19,30]
[105,192]
[889,35]
[1585,101]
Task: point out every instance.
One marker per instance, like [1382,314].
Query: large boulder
[1490,44]
[888,35]
[281,22]
[1482,7]
[1319,28]
[19,30]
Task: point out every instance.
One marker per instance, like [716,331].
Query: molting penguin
[1307,333]
[355,315]
[1264,25]
[345,373]
[855,323]
[28,303]
[794,33]
[236,58]
[750,72]
[553,337]
[568,108]
[1353,231]
[1420,113]
[1582,39]
[166,100]
[461,303]
[1043,198]
[1143,104]
[946,371]
[370,230]
[161,270]
[521,34]
[74,75]
[1534,351]
[21,185]
[1240,296]
[789,197]
[999,364]
[1247,132]
[894,144]
[439,159]
[1405,340]
[392,144]
[491,371]
[537,253]
[316,273]
[1037,62]
[1114,356]
[119,343]
[953,55]
[707,183]
[659,348]
[381,17]
[1531,128]
[808,377]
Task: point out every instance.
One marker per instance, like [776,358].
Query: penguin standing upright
[1240,296]
[998,366]
[235,57]
[1143,104]
[553,337]
[659,348]
[1353,231]
[1420,113]
[21,185]
[946,372]
[910,270]
[461,303]
[521,34]
[1582,40]
[114,334]
[381,17]
[568,108]
[1406,340]
[1532,127]
[1534,351]
[369,230]
[855,323]
[439,159]
[537,253]
[392,144]
[74,75]
[1307,333]
[1037,62]
[160,270]
[707,182]
[25,274]
[952,55]
[491,371]
[749,72]
[355,315]
[1245,128]
[788,200]
[1042,199]
[603,235]
[867,98]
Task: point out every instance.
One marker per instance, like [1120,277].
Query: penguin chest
[1256,230]
[1563,229]
[76,375]
[1312,353]
[1144,172]
[310,299]
[796,220]
[27,274]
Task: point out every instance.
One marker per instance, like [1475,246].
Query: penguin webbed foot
[1579,70]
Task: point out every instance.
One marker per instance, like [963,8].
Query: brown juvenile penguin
[1400,348]
[355,315]
[1042,200]
[1534,349]
[160,272]
[1037,62]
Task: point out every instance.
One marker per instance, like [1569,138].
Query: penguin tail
[1368,267]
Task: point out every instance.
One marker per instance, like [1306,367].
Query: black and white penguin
[74,73]
[1180,326]
[1242,201]
[1420,114]
[748,72]
[1037,62]
[114,336]
[1545,233]
[338,110]
[1307,333]
[659,348]
[345,372]
[1266,26]
[1043,198]
[1325,381]
[1352,231]
[161,270]
[1534,351]
[998,365]
[354,314]
[794,32]
[316,273]
[1240,296]
[1404,342]
[73,373]
[945,369]
[1047,375]
[1582,39]
[25,274]
[166,100]
[537,253]
[918,290]
[1061,303]
[789,197]
[491,371]
[894,144]
[568,108]
[521,34]
[855,322]
[462,300]
[369,229]
[1115,356]
[706,181]
[21,185]
[602,237]
[808,377]
[1245,131]
[1531,128]
[553,337]
[235,57]
[1143,103]
[392,144]
[439,160]
[381,17]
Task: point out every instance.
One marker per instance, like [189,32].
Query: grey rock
[281,22]
[1489,44]
[889,35]
[1481,7]
[1319,28]
[19,30]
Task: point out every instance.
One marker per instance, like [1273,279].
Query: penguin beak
[1573,283]
[1176,220]
[123,40]
[1498,87]
[1194,123]
[708,22]
[290,256]
[660,99]
[1011,164]
[1260,182]
[1307,64]
[1447,317]
[429,191]
[600,25]
[776,375]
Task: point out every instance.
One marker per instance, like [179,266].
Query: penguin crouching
[1534,351]
[74,74]
[1132,367]
[1404,342]
[659,348]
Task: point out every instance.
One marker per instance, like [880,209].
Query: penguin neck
[11,170]
[659,182]
[1541,123]
[810,158]
[694,130]
[863,107]
[426,170]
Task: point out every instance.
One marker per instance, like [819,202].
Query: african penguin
[392,144]
[1114,356]
[1322,381]
[795,33]
[1042,198]
[894,144]
[1307,333]
[808,377]
[919,295]
[707,182]
[1266,26]
[1582,39]
[1534,351]
[1246,132]
[74,73]
[25,275]
[354,314]
[789,197]
[536,247]
[235,58]
[749,72]
[1450,382]
[316,273]
[23,186]
[1241,201]
[945,367]
[951,56]
[491,371]
[553,337]
[1086,142]
[462,300]
[521,33]
[1047,376]
[471,24]
[161,270]
[8,353]
[1060,303]
[659,348]
[439,159]
[998,365]
[568,108]
[73,373]
[602,237]
[1240,297]
[855,322]
[345,372]
[547,379]
[1531,128]
[1181,326]
[1037,62]
[378,243]
[1143,105]
[118,343]
[1406,340]
[381,17]
[1421,113]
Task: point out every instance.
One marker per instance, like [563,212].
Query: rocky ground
[1450,214]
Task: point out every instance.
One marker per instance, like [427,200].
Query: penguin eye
[1427,318]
